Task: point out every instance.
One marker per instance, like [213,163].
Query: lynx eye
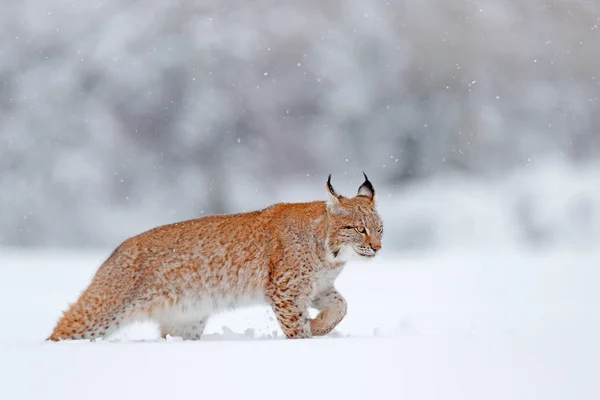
[360,229]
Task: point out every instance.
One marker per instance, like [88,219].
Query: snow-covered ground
[452,325]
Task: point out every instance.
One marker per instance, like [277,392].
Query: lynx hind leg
[103,307]
[184,330]
[88,319]
[332,307]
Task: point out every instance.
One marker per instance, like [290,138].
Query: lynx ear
[367,189]
[334,198]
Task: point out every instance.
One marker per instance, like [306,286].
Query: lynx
[178,275]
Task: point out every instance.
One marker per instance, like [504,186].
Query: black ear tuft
[366,189]
[330,187]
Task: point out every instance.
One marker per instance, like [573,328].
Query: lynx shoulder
[178,275]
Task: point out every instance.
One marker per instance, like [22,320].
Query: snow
[433,325]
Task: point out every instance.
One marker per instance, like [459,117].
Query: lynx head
[355,228]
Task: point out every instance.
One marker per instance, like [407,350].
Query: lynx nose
[376,247]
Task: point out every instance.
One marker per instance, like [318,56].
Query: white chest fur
[325,279]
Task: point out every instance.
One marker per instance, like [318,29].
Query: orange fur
[287,255]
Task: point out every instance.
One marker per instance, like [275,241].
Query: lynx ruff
[287,255]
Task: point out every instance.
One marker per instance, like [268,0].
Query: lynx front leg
[288,293]
[332,307]
[292,315]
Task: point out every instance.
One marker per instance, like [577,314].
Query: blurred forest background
[474,119]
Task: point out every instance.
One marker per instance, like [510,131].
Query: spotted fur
[287,255]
